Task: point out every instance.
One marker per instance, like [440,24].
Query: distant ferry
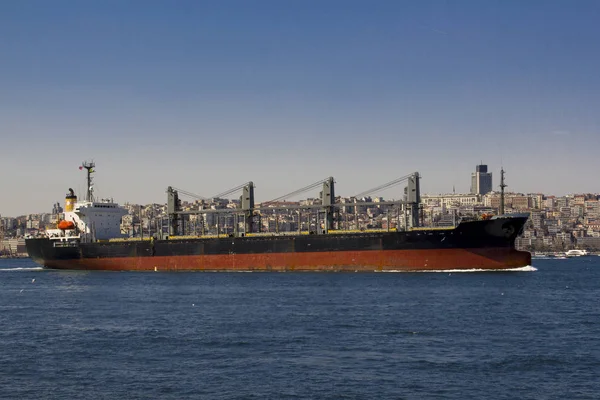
[576,253]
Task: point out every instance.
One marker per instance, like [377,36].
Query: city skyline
[207,96]
[555,223]
[395,192]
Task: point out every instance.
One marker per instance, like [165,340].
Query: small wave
[22,269]
[527,268]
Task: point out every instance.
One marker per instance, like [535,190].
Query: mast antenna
[502,186]
[89,166]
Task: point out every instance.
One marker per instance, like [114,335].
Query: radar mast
[89,166]
[502,186]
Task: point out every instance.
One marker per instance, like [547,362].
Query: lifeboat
[64,225]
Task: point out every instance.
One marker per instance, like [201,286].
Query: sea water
[530,334]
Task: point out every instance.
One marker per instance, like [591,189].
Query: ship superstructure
[89,220]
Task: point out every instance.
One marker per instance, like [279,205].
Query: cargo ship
[88,238]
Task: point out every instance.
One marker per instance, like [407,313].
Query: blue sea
[533,334]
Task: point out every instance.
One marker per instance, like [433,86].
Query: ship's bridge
[97,220]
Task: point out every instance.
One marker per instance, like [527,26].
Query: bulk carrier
[89,238]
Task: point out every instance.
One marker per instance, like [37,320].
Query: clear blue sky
[206,95]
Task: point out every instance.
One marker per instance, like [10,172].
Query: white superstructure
[88,220]
[96,220]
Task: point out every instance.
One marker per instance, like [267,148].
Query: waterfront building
[521,202]
[537,200]
[449,200]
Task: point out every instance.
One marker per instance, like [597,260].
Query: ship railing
[269,234]
[435,228]
[124,240]
[289,233]
[345,231]
[184,237]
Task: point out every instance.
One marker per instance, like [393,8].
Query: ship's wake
[21,269]
[527,268]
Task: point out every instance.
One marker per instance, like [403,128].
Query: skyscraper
[481,180]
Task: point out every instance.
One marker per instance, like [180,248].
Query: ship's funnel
[70,200]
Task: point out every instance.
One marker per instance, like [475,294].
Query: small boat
[576,253]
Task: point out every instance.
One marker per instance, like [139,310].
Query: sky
[205,95]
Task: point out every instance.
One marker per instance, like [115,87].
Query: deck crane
[327,200]
[412,194]
[175,212]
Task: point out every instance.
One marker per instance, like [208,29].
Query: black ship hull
[485,244]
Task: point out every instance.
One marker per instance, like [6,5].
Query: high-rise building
[57,209]
[481,180]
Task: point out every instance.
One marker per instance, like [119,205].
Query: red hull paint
[373,260]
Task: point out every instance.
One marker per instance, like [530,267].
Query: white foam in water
[527,268]
[22,269]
